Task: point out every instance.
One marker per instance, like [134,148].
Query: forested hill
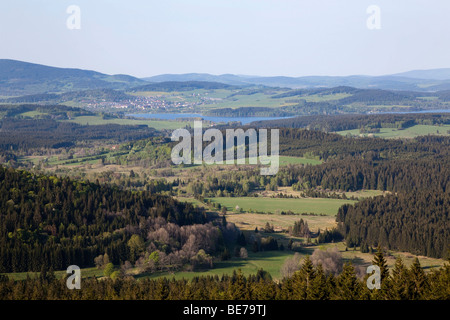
[49,133]
[21,78]
[170,86]
[48,222]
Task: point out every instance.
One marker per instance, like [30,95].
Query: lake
[243,120]
[174,116]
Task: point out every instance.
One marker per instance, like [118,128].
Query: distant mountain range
[18,78]
[417,80]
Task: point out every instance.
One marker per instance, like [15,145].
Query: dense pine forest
[48,222]
[48,133]
[343,122]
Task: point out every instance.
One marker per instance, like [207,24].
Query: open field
[325,97]
[365,193]
[250,221]
[285,160]
[411,132]
[270,261]
[85,273]
[302,205]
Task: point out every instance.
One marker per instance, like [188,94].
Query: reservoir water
[243,120]
[174,116]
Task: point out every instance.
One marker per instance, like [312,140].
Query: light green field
[302,205]
[85,273]
[32,114]
[325,97]
[250,221]
[411,132]
[285,160]
[365,193]
[270,261]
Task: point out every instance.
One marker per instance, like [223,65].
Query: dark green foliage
[300,229]
[169,86]
[48,133]
[56,222]
[416,222]
[328,236]
[343,122]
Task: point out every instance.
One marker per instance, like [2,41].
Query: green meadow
[411,132]
[301,205]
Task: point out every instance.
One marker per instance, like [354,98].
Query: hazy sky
[255,37]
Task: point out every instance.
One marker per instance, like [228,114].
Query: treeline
[321,145]
[26,134]
[96,94]
[248,112]
[367,96]
[55,222]
[57,112]
[343,175]
[394,175]
[169,86]
[343,122]
[416,222]
[311,282]
[297,142]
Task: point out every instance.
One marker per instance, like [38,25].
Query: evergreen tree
[399,281]
[348,285]
[319,289]
[418,281]
[380,261]
[302,281]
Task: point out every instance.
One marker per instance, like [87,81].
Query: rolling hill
[19,78]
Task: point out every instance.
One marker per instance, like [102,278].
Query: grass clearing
[302,205]
[325,97]
[85,273]
[250,221]
[411,132]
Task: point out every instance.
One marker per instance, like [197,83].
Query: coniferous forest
[50,223]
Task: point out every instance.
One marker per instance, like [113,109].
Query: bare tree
[243,253]
[290,265]
[330,259]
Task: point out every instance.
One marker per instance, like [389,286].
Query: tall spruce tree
[418,280]
[348,285]
[399,281]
